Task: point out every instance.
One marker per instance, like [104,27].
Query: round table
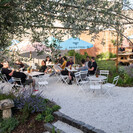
[99,78]
[72,69]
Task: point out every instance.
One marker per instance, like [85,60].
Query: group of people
[89,65]
[60,65]
[11,74]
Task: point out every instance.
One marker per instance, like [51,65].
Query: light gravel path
[111,114]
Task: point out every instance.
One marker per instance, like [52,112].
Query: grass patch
[124,80]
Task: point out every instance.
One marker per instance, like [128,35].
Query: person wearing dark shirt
[70,62]
[122,49]
[1,65]
[43,68]
[7,72]
[23,78]
[93,67]
[20,64]
[60,60]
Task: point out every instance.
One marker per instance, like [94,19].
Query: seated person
[60,60]
[5,70]
[56,68]
[1,65]
[121,49]
[43,67]
[63,71]
[88,62]
[11,73]
[23,78]
[64,63]
[48,60]
[93,67]
[70,62]
[83,68]
[20,64]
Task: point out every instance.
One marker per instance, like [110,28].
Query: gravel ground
[111,114]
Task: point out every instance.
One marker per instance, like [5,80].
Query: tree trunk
[117,52]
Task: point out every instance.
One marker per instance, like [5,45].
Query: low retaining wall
[77,124]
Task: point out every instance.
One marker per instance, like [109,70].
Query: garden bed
[29,114]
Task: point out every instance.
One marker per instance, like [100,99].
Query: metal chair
[95,85]
[108,86]
[42,82]
[80,83]
[84,75]
[106,73]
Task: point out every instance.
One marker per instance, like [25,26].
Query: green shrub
[71,53]
[49,118]
[106,55]
[39,117]
[55,108]
[25,113]
[7,96]
[125,73]
[48,111]
[8,125]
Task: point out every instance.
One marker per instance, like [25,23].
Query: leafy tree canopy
[37,17]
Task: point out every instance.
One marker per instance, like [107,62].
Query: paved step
[66,128]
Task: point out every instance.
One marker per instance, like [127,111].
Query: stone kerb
[77,124]
[5,106]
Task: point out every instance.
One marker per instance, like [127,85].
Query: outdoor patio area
[111,114]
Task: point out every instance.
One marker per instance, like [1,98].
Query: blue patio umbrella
[130,37]
[75,44]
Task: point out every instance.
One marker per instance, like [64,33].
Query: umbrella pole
[74,57]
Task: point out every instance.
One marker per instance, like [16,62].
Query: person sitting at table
[43,67]
[23,78]
[60,60]
[1,65]
[88,62]
[5,70]
[64,71]
[83,68]
[121,49]
[93,67]
[56,68]
[20,64]
[48,60]
[64,63]
[70,62]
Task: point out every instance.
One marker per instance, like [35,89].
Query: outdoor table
[71,70]
[50,65]
[33,74]
[99,78]
[96,82]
